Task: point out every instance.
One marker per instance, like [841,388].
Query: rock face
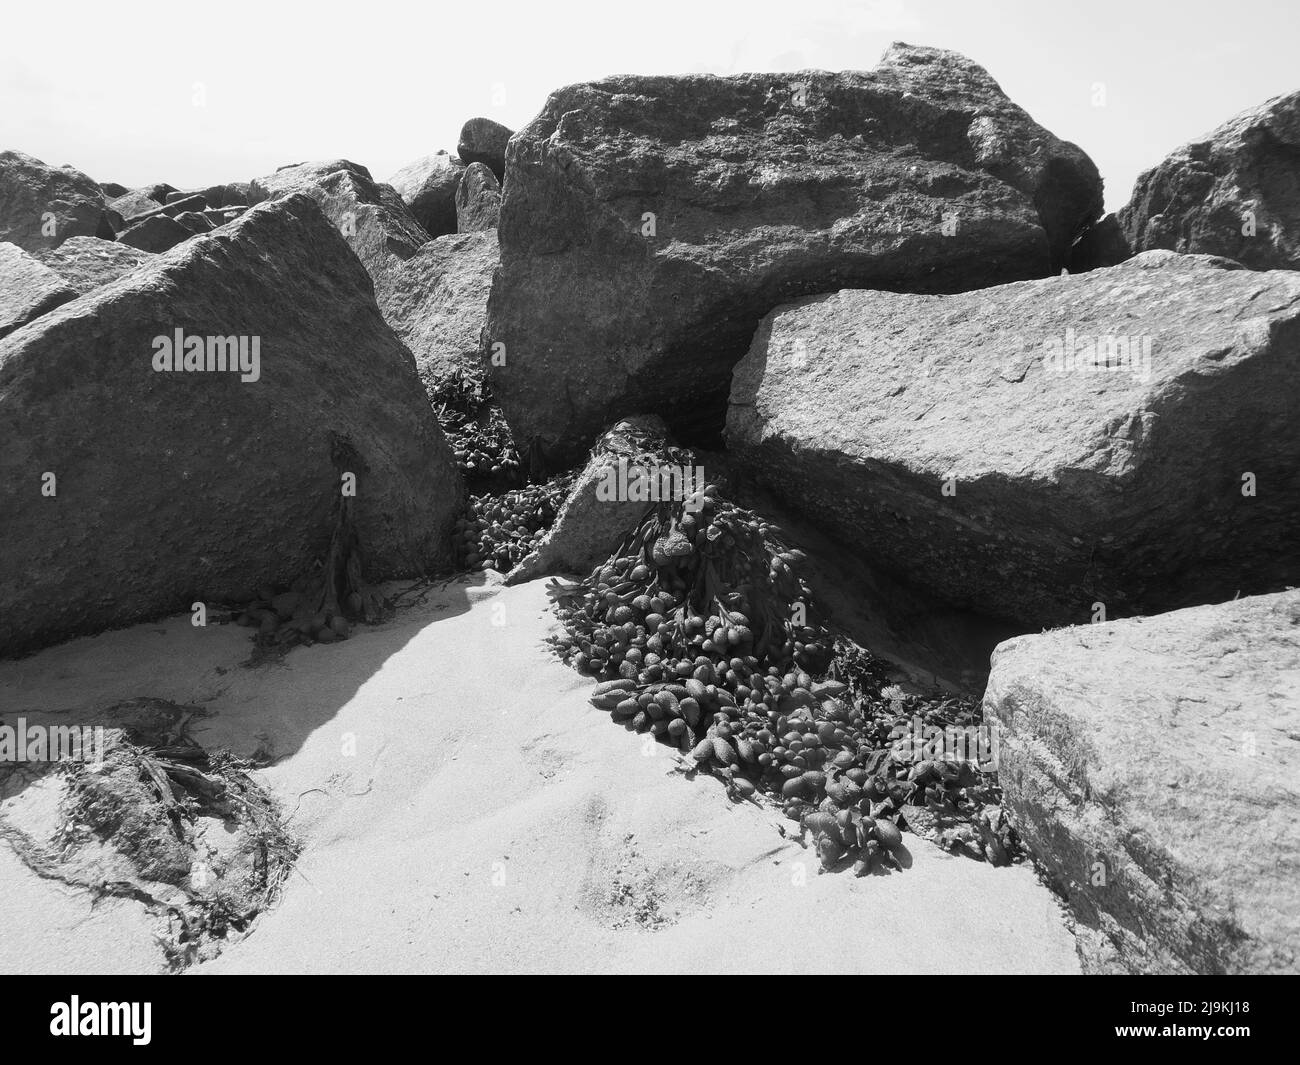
[134,203]
[478,199]
[27,289]
[372,218]
[176,487]
[42,206]
[588,527]
[649,223]
[428,188]
[484,141]
[1151,765]
[1235,192]
[437,303]
[969,443]
[86,263]
[155,233]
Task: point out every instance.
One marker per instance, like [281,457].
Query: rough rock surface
[86,263]
[428,188]
[155,233]
[27,289]
[36,198]
[588,528]
[1070,485]
[437,303]
[484,141]
[1235,192]
[1151,765]
[478,199]
[184,486]
[920,175]
[372,218]
[134,204]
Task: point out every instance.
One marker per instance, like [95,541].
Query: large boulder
[176,487]
[478,199]
[484,141]
[28,289]
[1234,192]
[437,304]
[1151,765]
[648,223]
[87,263]
[972,444]
[428,188]
[41,206]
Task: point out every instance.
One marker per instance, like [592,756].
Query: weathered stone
[41,206]
[194,221]
[1151,766]
[155,233]
[372,218]
[295,176]
[648,223]
[27,289]
[112,190]
[437,303]
[589,527]
[1234,192]
[484,141]
[135,204]
[949,439]
[428,188]
[478,199]
[177,487]
[87,263]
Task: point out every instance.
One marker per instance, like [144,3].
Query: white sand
[465,809]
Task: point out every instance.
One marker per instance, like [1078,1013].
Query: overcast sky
[194,94]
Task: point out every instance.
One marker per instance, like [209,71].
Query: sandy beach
[464,809]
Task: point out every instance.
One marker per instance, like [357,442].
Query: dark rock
[1151,767]
[1101,244]
[159,193]
[920,175]
[1235,192]
[941,437]
[194,221]
[478,199]
[437,303]
[41,206]
[87,263]
[28,289]
[199,486]
[484,141]
[112,190]
[428,188]
[156,232]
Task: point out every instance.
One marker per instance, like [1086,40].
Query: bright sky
[193,94]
